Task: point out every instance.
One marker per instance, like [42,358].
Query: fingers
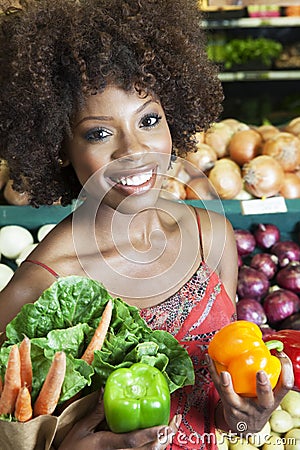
[155,438]
[223,384]
[286,379]
[264,392]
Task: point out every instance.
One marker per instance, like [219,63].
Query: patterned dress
[193,315]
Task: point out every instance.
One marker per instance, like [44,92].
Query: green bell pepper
[136,397]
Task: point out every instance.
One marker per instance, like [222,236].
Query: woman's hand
[84,437]
[239,414]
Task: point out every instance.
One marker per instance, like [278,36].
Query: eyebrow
[106,118]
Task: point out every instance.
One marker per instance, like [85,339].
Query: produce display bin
[32,218]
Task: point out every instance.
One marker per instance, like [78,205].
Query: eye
[150,120]
[97,134]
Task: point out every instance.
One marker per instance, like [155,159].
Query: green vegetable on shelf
[237,52]
[135,398]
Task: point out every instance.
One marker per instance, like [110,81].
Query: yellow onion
[200,189]
[226,179]
[267,132]
[235,125]
[285,148]
[173,190]
[244,146]
[13,197]
[291,186]
[293,126]
[263,176]
[4,173]
[203,159]
[218,137]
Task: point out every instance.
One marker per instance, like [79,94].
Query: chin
[134,203]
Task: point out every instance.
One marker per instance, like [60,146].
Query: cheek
[164,146]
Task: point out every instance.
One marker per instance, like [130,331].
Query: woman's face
[120,148]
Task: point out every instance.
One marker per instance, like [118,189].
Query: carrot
[49,394]
[26,366]
[23,409]
[12,382]
[99,335]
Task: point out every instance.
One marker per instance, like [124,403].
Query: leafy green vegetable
[242,51]
[65,318]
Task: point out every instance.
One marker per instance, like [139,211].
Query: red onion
[251,310]
[291,323]
[245,242]
[240,261]
[286,251]
[289,277]
[252,283]
[280,304]
[265,262]
[266,235]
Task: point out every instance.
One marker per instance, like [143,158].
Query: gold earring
[60,162]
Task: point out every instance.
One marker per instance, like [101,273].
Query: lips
[133,183]
[134,180]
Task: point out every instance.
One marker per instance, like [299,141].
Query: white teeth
[135,180]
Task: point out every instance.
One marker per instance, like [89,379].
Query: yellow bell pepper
[239,349]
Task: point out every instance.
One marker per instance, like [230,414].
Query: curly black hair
[53,53]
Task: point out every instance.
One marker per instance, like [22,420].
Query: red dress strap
[38,263]
[200,235]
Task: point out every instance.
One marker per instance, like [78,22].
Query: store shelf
[251,22]
[270,75]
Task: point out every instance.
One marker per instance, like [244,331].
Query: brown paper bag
[43,431]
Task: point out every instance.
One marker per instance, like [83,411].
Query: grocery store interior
[246,166]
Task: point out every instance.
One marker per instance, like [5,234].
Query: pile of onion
[265,161]
[269,274]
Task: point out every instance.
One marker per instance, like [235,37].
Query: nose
[130,147]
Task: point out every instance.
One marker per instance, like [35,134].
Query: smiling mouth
[133,184]
[134,180]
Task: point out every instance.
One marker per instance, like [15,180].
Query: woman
[98,96]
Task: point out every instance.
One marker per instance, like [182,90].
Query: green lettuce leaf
[65,317]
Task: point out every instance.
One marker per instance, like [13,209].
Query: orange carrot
[99,335]
[26,366]
[49,394]
[12,382]
[23,409]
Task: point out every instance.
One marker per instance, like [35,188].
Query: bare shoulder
[215,227]
[56,250]
[220,248]
[30,280]
[26,286]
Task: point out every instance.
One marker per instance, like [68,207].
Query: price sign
[264,206]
